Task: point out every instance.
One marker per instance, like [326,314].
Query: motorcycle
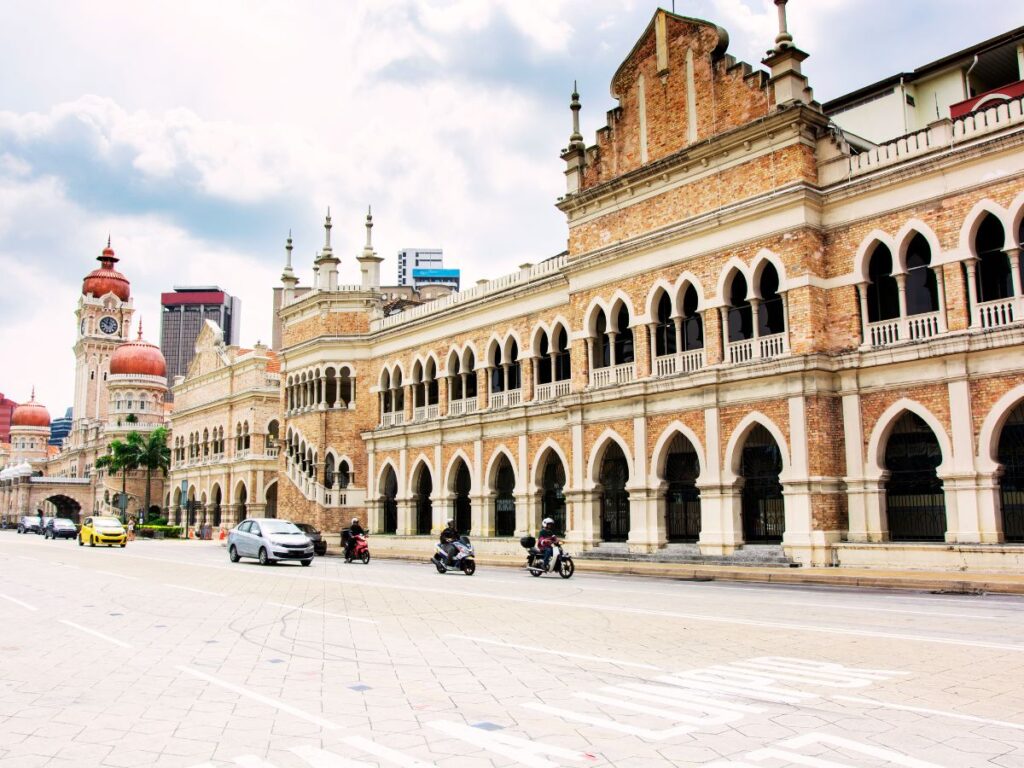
[360,550]
[560,563]
[463,560]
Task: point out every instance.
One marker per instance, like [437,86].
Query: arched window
[469,373]
[763,507]
[614,496]
[504,499]
[246,444]
[922,287]
[665,330]
[883,291]
[771,312]
[1011,481]
[430,375]
[463,506]
[682,497]
[553,491]
[424,504]
[545,363]
[623,337]
[344,474]
[693,324]
[419,387]
[514,378]
[602,344]
[740,319]
[914,500]
[389,500]
[329,472]
[345,387]
[497,371]
[563,365]
[994,279]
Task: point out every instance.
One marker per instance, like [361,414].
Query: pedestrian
[131,529]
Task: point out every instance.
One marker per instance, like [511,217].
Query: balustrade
[996,314]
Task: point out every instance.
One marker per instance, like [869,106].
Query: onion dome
[106,279]
[31,414]
[138,358]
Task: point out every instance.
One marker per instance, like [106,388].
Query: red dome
[30,414]
[138,358]
[106,279]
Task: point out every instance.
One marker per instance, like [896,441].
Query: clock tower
[103,318]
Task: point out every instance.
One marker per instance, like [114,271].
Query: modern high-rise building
[7,407]
[61,428]
[425,266]
[184,311]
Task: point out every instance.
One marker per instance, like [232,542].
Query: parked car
[269,540]
[102,530]
[319,545]
[60,528]
[30,524]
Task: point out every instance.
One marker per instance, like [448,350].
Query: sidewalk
[955,582]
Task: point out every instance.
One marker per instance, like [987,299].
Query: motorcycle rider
[354,529]
[448,538]
[546,541]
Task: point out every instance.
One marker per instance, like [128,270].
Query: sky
[197,134]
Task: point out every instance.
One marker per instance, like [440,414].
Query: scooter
[561,561]
[463,560]
[360,550]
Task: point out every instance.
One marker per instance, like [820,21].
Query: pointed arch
[969,230]
[1016,211]
[452,467]
[866,250]
[536,334]
[621,299]
[540,460]
[597,455]
[875,464]
[905,236]
[595,306]
[734,446]
[683,282]
[725,278]
[661,285]
[492,467]
[762,259]
[660,452]
[420,464]
[992,428]
[382,477]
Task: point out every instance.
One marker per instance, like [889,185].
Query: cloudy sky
[198,133]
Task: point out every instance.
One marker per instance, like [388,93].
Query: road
[166,654]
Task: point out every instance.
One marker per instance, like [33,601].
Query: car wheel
[264,559]
[80,542]
[92,542]
[366,558]
[307,563]
[124,544]
[233,554]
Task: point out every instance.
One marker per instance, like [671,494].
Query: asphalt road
[166,654]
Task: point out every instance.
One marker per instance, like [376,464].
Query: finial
[140,328]
[575,138]
[288,250]
[33,393]
[327,230]
[369,230]
[108,239]
[783,40]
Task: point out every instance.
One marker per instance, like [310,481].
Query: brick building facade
[766,333]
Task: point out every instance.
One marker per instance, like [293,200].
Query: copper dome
[138,358]
[31,414]
[106,279]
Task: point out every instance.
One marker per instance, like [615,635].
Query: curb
[831,577]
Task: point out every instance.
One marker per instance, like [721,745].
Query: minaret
[288,278]
[575,154]
[787,81]
[369,261]
[327,262]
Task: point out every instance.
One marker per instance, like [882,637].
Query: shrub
[165,531]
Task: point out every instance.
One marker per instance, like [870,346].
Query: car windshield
[31,519]
[63,524]
[99,522]
[305,527]
[279,526]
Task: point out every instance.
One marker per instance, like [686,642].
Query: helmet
[451,521]
[355,520]
[548,521]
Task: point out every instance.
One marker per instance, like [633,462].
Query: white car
[269,540]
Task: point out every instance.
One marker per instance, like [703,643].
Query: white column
[940,290]
[972,290]
[862,297]
[959,477]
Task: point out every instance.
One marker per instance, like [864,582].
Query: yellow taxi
[102,530]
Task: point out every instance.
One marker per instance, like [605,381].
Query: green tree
[121,456]
[152,454]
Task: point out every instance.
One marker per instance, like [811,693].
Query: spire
[783,40]
[368,249]
[327,235]
[369,261]
[575,138]
[33,394]
[108,239]
[288,251]
[288,277]
[140,328]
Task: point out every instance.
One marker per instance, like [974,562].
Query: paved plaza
[166,654]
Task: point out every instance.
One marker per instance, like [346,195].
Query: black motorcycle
[560,563]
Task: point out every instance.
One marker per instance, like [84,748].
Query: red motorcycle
[359,549]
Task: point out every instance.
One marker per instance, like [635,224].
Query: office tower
[184,310]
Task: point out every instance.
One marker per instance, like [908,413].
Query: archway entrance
[215,500]
[389,501]
[1011,483]
[504,500]
[914,501]
[682,498]
[763,508]
[66,507]
[243,499]
[270,497]
[552,502]
[614,496]
[424,505]
[463,504]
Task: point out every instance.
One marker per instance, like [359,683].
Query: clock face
[108,325]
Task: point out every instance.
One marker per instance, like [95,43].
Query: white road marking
[522,751]
[275,703]
[611,725]
[711,618]
[94,633]
[193,589]
[321,758]
[22,603]
[566,654]
[60,564]
[385,753]
[872,609]
[118,575]
[252,761]
[318,612]
[927,711]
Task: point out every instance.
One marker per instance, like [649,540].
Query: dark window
[682,497]
[665,331]
[424,504]
[553,485]
[740,317]
[693,324]
[623,339]
[504,500]
[771,317]
[614,496]
[544,367]
[563,366]
[883,292]
[1011,482]
[463,504]
[995,280]
[389,501]
[763,508]
[922,288]
[915,503]
[602,350]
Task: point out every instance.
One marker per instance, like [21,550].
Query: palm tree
[152,454]
[121,457]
